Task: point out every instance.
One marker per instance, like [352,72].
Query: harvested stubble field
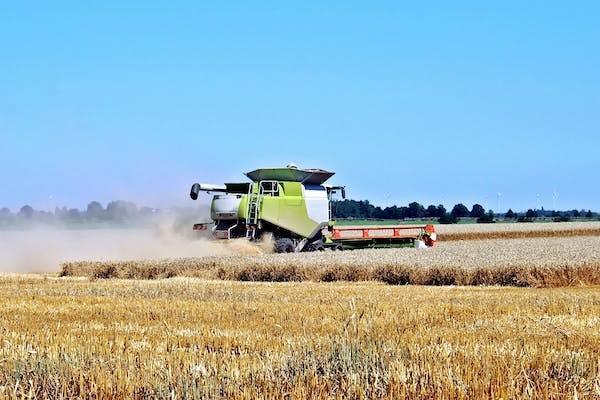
[190,338]
[538,262]
[517,230]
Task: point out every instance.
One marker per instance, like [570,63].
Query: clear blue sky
[435,102]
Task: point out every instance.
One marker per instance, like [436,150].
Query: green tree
[26,212]
[441,211]
[589,214]
[530,214]
[478,211]
[95,211]
[431,212]
[74,215]
[416,210]
[390,212]
[447,219]
[460,211]
[510,214]
[402,212]
[487,218]
[121,211]
[6,217]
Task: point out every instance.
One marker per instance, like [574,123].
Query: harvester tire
[316,246]
[284,245]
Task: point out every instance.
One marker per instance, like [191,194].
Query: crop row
[540,262]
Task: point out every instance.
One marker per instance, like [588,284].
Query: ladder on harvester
[252,213]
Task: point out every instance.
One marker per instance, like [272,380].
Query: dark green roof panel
[309,176]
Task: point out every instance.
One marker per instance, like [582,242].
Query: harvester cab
[293,206]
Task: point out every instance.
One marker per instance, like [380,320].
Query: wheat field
[559,227]
[537,262]
[517,230]
[364,324]
[190,338]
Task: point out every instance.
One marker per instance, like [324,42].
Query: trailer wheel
[284,245]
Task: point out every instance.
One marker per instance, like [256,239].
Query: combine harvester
[294,207]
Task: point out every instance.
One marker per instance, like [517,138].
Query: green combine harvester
[294,207]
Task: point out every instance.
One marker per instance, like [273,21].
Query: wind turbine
[498,195]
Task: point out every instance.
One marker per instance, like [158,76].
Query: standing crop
[540,262]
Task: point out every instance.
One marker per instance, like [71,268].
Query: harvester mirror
[335,189]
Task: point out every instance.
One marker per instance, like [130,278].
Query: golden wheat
[519,227]
[517,230]
[548,262]
[189,338]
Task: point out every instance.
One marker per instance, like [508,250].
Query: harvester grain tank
[294,206]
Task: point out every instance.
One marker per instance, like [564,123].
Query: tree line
[116,212]
[126,213]
[363,209]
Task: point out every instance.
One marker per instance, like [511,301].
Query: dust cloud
[43,249]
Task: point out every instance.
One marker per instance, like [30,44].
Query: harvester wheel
[316,246]
[338,247]
[284,245]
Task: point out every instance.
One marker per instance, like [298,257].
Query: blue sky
[434,102]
